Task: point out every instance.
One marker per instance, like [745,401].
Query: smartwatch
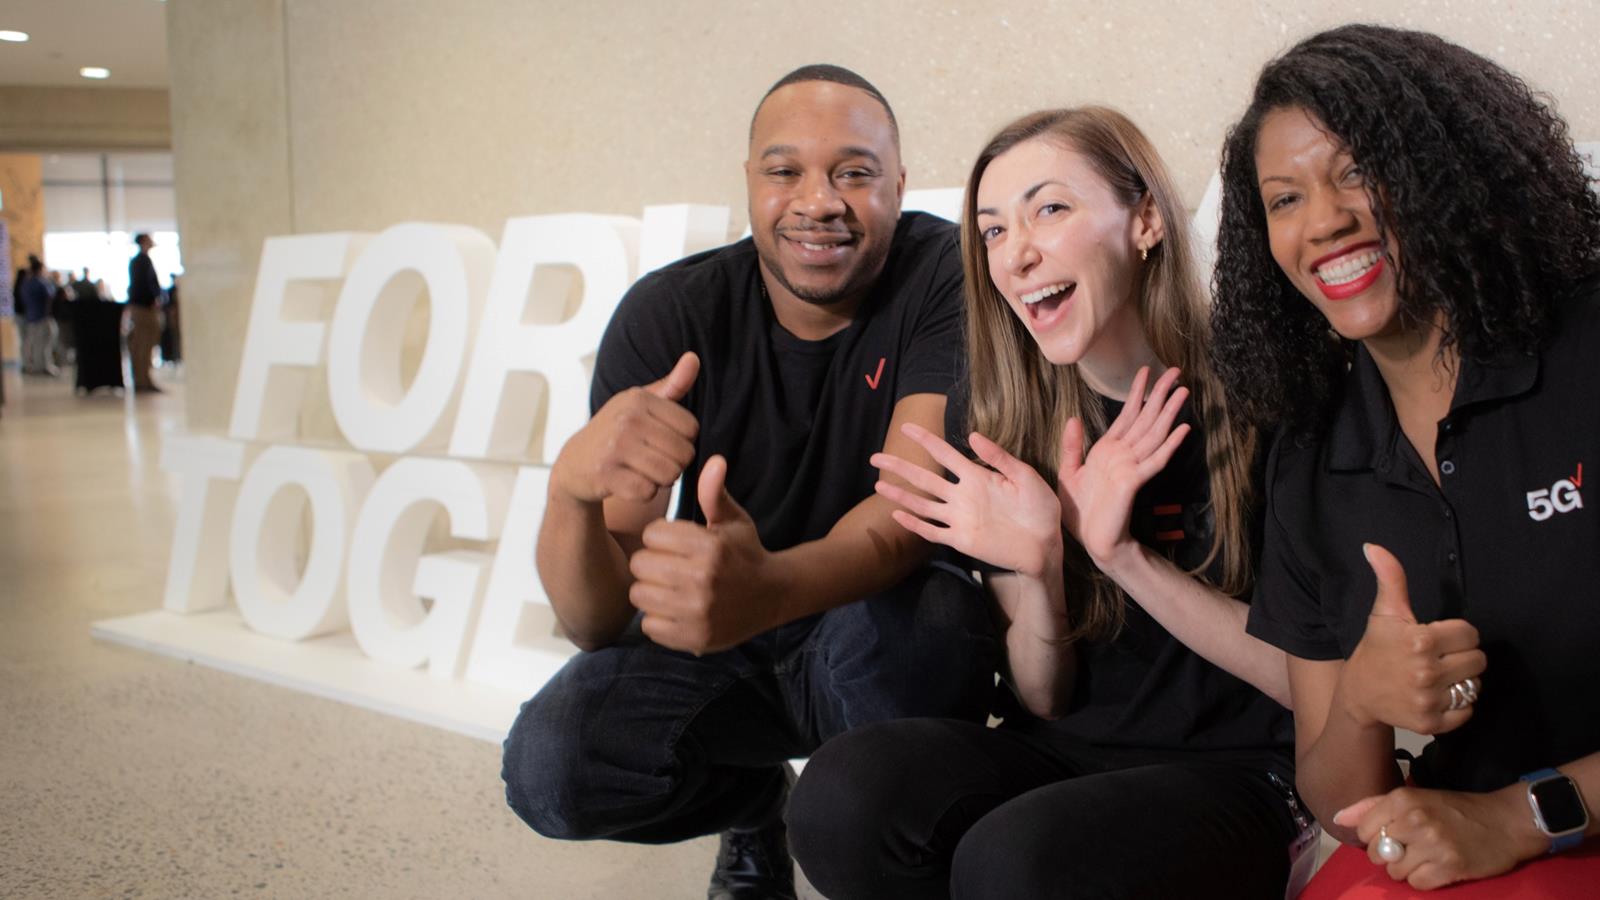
[1558,808]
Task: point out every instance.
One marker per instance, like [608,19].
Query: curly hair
[1468,171]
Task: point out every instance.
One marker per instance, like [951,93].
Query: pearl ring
[1389,849]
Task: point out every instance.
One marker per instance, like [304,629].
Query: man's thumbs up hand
[706,588]
[636,446]
[716,503]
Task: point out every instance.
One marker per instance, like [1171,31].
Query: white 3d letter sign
[314,540]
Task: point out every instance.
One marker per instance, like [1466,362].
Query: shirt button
[1449,515]
[1452,556]
[1447,426]
[1447,467]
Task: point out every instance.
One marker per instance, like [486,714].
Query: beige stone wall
[68,118]
[22,187]
[313,115]
[230,119]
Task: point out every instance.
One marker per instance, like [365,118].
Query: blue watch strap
[1566,842]
[1558,843]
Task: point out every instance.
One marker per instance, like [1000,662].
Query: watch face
[1559,804]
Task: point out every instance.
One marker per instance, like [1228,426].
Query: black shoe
[754,864]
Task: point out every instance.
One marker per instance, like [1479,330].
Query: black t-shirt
[796,419]
[1144,695]
[1508,541]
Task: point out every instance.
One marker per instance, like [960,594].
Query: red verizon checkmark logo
[874,378]
[1577,480]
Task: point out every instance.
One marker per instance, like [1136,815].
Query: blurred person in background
[144,291]
[38,329]
[66,334]
[83,287]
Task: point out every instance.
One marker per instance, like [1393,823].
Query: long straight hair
[1022,401]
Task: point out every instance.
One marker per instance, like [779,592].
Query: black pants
[939,808]
[635,742]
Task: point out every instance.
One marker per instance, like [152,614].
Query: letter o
[267,528]
[373,407]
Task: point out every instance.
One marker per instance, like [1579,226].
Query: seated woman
[1143,752]
[1404,286]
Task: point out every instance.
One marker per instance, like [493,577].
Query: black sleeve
[1286,611]
[935,342]
[642,342]
[955,434]
[957,401]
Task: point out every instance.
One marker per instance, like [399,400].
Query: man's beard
[824,297]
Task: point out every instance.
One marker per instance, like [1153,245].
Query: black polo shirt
[1509,540]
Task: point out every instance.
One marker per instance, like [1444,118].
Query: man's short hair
[837,75]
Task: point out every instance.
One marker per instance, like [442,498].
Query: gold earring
[1144,254]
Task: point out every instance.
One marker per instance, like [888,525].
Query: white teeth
[1033,297]
[1349,269]
[809,246]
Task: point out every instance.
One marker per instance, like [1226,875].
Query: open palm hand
[1096,490]
[1007,515]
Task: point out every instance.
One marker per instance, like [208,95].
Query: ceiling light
[15,37]
[94,72]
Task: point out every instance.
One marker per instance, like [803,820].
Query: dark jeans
[939,808]
[636,742]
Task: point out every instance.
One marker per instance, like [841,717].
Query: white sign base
[330,666]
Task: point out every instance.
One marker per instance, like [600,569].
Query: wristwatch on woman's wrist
[1558,808]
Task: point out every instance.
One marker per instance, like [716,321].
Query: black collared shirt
[1508,540]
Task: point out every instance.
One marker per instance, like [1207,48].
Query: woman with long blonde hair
[1143,749]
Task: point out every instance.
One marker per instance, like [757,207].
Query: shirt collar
[1364,422]
[1364,425]
[1508,375]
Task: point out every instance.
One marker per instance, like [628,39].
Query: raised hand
[703,588]
[1401,672]
[1006,516]
[1097,490]
[638,444]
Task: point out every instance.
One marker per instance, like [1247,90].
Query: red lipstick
[1350,288]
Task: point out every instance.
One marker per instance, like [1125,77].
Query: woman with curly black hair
[1405,288]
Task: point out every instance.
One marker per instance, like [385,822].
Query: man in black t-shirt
[782,605]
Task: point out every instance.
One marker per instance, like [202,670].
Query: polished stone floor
[125,774]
